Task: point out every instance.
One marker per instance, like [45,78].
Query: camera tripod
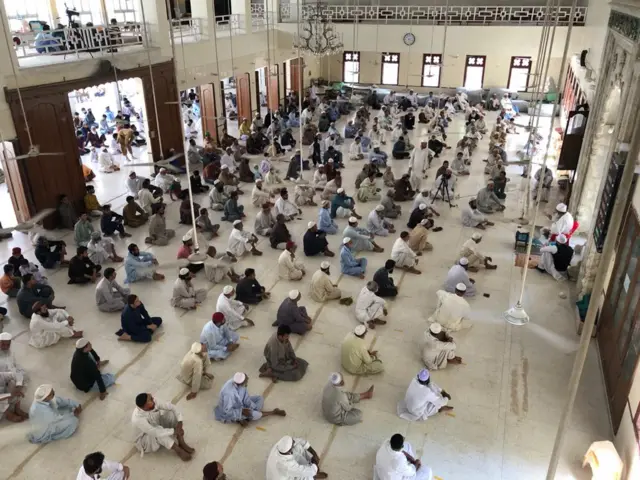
[443,189]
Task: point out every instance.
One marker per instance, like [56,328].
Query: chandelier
[318,36]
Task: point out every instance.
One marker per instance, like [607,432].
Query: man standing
[281,362]
[357,359]
[337,405]
[418,163]
[219,340]
[194,370]
[293,458]
[86,369]
[423,399]
[159,425]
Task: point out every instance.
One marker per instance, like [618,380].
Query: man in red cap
[219,339]
[15,259]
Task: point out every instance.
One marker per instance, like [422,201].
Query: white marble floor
[508,396]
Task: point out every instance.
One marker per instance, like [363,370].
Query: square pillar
[242,8]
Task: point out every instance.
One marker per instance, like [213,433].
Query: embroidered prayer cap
[561,207]
[5,337]
[561,239]
[346,240]
[476,236]
[423,206]
[360,330]
[285,444]
[461,287]
[311,224]
[183,271]
[341,190]
[82,342]
[424,375]
[224,167]
[239,378]
[380,208]
[335,378]
[196,347]
[227,290]
[293,294]
[435,328]
[237,222]
[323,266]
[353,220]
[463,261]
[42,392]
[96,235]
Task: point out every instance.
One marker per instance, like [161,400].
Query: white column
[155,12]
[242,8]
[203,10]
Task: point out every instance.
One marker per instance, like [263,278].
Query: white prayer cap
[183,271]
[424,221]
[435,328]
[163,170]
[424,140]
[353,219]
[258,180]
[285,444]
[476,236]
[463,261]
[82,342]
[461,287]
[424,375]
[360,330]
[239,378]
[293,294]
[237,222]
[42,392]
[5,337]
[323,265]
[423,206]
[341,190]
[335,378]
[380,208]
[187,236]
[224,167]
[330,160]
[196,347]
[561,207]
[227,290]
[490,182]
[346,240]
[311,224]
[561,239]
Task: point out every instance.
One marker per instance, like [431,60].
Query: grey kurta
[110,296]
[487,201]
[282,360]
[289,313]
[337,406]
[264,223]
[158,231]
[186,295]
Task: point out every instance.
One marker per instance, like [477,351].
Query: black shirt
[247,290]
[80,266]
[85,372]
[382,278]
[279,234]
[314,242]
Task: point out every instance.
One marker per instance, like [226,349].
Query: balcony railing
[190,29]
[438,15]
[226,23]
[72,42]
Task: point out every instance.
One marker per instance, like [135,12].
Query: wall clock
[409,39]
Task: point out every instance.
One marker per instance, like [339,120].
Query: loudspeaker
[583,58]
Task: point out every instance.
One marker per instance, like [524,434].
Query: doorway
[261,91]
[619,333]
[229,105]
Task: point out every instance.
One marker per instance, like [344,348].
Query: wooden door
[208,110]
[619,333]
[286,79]
[273,89]
[13,180]
[297,73]
[243,93]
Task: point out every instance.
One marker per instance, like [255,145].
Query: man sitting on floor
[219,340]
[86,369]
[82,269]
[94,466]
[159,425]
[132,214]
[292,315]
[395,459]
[281,362]
[337,405]
[49,326]
[472,217]
[111,222]
[137,325]
[159,234]
[472,253]
[233,310]
[289,268]
[357,359]
[438,348]
[194,370]
[452,311]
[185,295]
[322,289]
[140,266]
[423,399]
[349,264]
[370,308]
[110,295]
[315,241]
[249,290]
[293,458]
[32,292]
[235,405]
[52,418]
[382,277]
[458,275]
[102,249]
[556,259]
[402,254]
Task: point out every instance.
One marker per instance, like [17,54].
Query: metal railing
[259,17]
[97,39]
[233,22]
[428,15]
[189,27]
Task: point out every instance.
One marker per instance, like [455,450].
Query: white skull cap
[463,261]
[239,378]
[435,328]
[461,287]
[227,290]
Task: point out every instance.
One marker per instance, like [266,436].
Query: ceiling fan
[34,151]
[165,163]
[29,224]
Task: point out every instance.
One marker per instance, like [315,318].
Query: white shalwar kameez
[228,161]
[402,254]
[233,312]
[47,331]
[377,225]
[472,253]
[418,163]
[421,401]
[563,225]
[155,428]
[115,469]
[457,274]
[294,466]
[436,353]
[392,465]
[286,208]
[238,243]
[419,199]
[107,165]
[164,181]
[319,180]
[100,250]
[355,151]
[452,312]
[369,306]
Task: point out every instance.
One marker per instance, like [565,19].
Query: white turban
[323,265]
[5,337]
[461,287]
[380,208]
[311,224]
[435,328]
[42,392]
[184,271]
[293,294]
[353,220]
[360,330]
[561,207]
[196,347]
[82,342]
[346,240]
[341,190]
[335,378]
[476,236]
[423,206]
[463,261]
[239,378]
[561,239]
[285,444]
[227,290]
[237,222]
